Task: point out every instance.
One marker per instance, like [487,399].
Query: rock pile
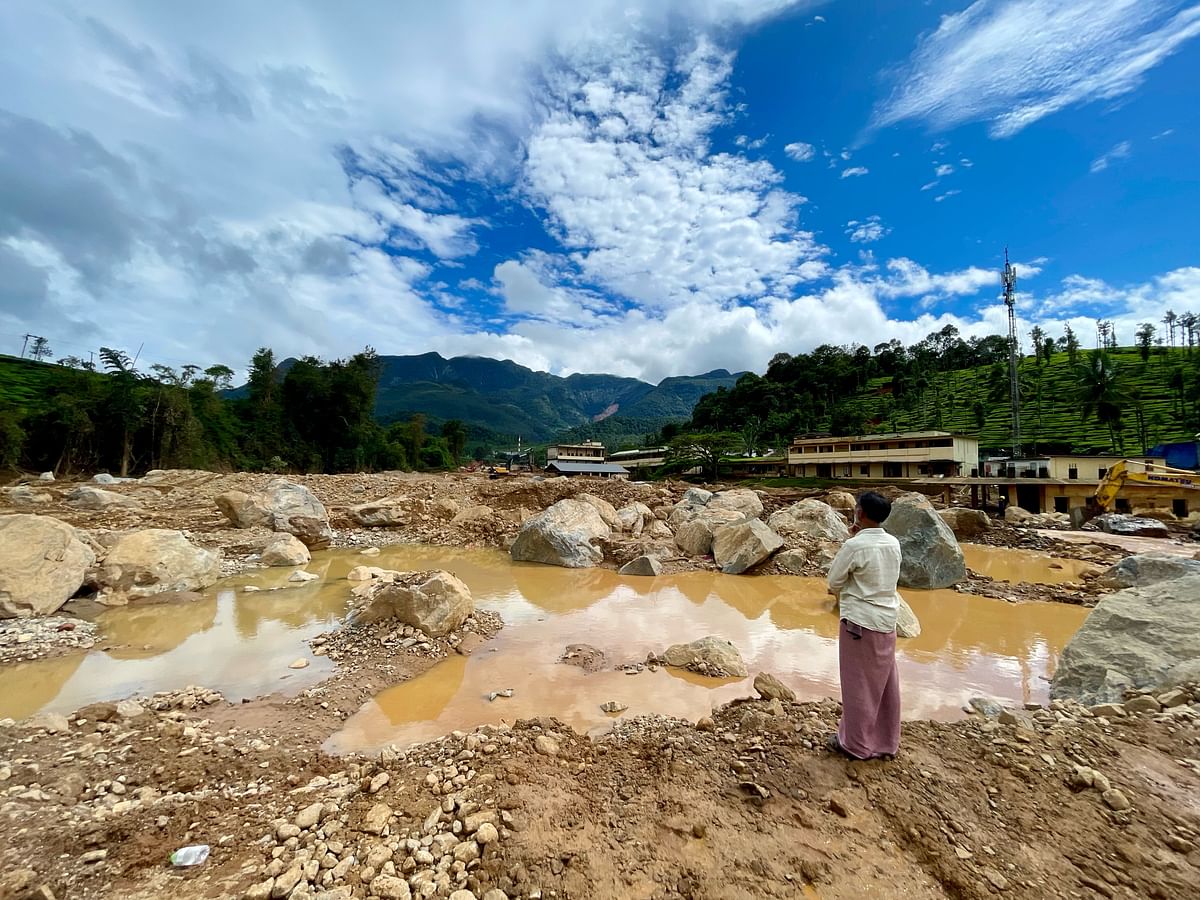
[435,603]
[281,506]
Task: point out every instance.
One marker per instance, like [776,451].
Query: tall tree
[1071,345]
[455,433]
[1169,320]
[1145,340]
[702,449]
[1099,393]
[126,404]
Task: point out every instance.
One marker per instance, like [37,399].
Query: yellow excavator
[1150,474]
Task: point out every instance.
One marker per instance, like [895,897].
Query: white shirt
[863,575]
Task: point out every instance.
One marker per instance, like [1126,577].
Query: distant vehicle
[1120,475]
[498,471]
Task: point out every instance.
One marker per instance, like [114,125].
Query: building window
[1062,504]
[1100,473]
[922,469]
[1073,473]
[846,471]
[892,470]
[1179,507]
[864,470]
[1122,505]
[828,448]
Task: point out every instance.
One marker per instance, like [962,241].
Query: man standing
[863,577]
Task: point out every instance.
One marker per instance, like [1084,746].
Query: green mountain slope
[509,399]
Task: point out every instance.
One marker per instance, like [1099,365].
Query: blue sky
[647,189]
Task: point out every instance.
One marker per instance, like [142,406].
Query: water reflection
[785,625]
[241,643]
[1007,564]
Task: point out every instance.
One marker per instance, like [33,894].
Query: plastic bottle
[190,856]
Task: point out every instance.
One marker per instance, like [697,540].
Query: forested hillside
[1115,399]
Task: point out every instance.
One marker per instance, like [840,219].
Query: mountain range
[509,399]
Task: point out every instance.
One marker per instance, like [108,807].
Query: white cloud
[855,171]
[965,163]
[1013,62]
[929,185]
[1163,134]
[943,170]
[1122,150]
[940,197]
[800,151]
[867,232]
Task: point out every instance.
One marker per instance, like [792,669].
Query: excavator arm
[1120,475]
[1108,489]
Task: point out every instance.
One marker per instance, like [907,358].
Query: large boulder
[1147,568]
[1136,526]
[695,536]
[709,656]
[966,523]
[607,511]
[1136,638]
[436,603]
[285,550]
[563,535]
[930,555]
[697,496]
[841,500]
[1015,515]
[386,513]
[811,517]
[142,563]
[42,564]
[24,495]
[281,506]
[743,501]
[84,497]
[743,545]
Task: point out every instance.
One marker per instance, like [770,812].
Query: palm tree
[1169,320]
[1100,394]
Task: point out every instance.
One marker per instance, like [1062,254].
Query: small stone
[487,834]
[378,782]
[963,853]
[287,830]
[302,577]
[260,891]
[840,805]
[1179,844]
[1144,703]
[1109,710]
[285,882]
[998,881]
[389,887]
[94,856]
[1115,800]
[1173,698]
[309,816]
[495,894]
[706,724]
[298,664]
[545,745]
[612,707]
[376,818]
[771,688]
[463,895]
[1100,782]
[467,851]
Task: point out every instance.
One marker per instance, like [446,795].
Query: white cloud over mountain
[168,180]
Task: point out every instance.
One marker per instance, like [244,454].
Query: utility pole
[25,344]
[1009,279]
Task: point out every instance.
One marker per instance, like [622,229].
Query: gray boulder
[695,536]
[281,506]
[143,563]
[84,497]
[930,555]
[709,656]
[1015,515]
[1147,568]
[563,535]
[42,564]
[1136,526]
[435,603]
[794,562]
[386,513]
[104,478]
[285,550]
[1139,638]
[24,495]
[46,476]
[643,565]
[966,523]
[697,496]
[743,545]
[811,517]
[743,501]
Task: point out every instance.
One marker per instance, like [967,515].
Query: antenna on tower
[1009,279]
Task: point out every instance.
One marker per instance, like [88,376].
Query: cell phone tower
[1009,278]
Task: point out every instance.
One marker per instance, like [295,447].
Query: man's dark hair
[875,507]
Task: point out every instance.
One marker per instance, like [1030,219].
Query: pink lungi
[870,723]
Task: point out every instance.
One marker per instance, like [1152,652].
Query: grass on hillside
[1050,409]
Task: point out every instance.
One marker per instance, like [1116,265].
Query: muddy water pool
[241,644]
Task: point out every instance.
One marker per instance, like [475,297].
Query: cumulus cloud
[941,197]
[855,171]
[800,151]
[943,170]
[867,232]
[1013,62]
[1123,150]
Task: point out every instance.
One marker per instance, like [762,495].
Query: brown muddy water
[241,644]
